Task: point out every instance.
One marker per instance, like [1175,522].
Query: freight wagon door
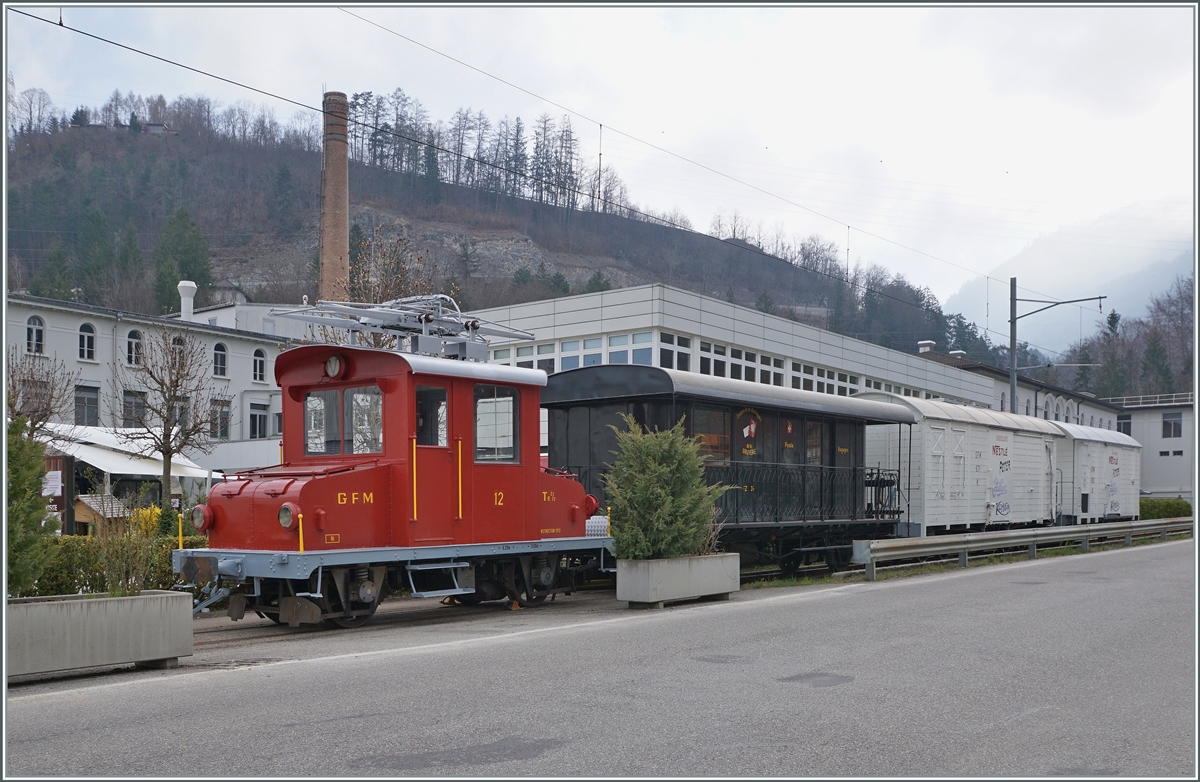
[435,484]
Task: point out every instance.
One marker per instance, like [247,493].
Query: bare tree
[40,389]
[166,399]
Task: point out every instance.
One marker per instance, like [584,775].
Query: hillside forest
[113,205]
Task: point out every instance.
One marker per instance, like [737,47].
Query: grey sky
[961,133]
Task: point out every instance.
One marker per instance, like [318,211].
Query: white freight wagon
[1100,475]
[970,468]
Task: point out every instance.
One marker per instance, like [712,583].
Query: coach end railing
[870,552]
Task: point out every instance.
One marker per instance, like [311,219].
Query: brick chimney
[335,200]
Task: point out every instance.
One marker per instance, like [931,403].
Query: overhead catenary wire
[667,151]
[652,218]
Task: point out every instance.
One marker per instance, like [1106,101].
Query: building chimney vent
[926,345]
[187,296]
[958,353]
[335,200]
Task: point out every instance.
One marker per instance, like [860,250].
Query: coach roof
[624,381]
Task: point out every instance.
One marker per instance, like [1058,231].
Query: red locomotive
[400,470]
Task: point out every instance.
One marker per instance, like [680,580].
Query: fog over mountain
[1128,256]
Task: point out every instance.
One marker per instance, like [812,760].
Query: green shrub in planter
[30,527]
[661,506]
[78,567]
[1164,508]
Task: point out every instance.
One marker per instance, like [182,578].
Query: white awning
[101,448]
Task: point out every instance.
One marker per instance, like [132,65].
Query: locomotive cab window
[496,424]
[322,433]
[432,417]
[362,409]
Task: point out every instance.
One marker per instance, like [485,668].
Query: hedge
[1164,508]
[76,567]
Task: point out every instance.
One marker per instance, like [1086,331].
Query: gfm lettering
[354,497]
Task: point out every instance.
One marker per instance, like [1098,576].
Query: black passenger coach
[801,491]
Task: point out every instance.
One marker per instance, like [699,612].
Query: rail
[870,552]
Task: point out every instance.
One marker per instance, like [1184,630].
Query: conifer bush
[1163,508]
[30,526]
[661,506]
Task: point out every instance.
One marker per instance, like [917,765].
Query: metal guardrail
[1184,398]
[870,552]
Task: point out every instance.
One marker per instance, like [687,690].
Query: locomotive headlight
[333,366]
[202,517]
[288,513]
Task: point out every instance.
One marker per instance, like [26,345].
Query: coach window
[812,442]
[363,425]
[711,427]
[496,423]
[322,430]
[87,342]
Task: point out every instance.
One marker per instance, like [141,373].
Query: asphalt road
[1074,666]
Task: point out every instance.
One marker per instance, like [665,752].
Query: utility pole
[1013,317]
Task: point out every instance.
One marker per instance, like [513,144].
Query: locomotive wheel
[520,593]
[348,622]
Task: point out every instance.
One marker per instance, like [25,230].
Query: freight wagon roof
[1095,434]
[946,411]
[623,381]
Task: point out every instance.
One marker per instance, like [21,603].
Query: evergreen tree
[129,254]
[180,254]
[764,303]
[522,276]
[29,524]
[1157,377]
[281,208]
[1085,377]
[431,179]
[358,238]
[134,125]
[467,260]
[597,283]
[80,117]
[94,255]
[53,280]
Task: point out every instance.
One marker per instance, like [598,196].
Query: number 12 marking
[498,498]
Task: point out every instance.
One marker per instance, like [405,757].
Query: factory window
[719,350]
[778,363]
[1172,425]
[1177,453]
[1091,421]
[749,373]
[87,406]
[496,424]
[544,350]
[1057,411]
[525,364]
[594,343]
[502,354]
[35,335]
[764,360]
[705,365]
[778,379]
[87,342]
[808,370]
[829,388]
[619,339]
[218,422]
[705,347]
[1046,410]
[854,380]
[751,357]
[133,348]
[618,356]
[643,356]
[525,351]
[820,372]
[1125,424]
[644,337]
[841,390]
[666,358]
[665,338]
[220,360]
[546,365]
[683,342]
[571,346]
[764,376]
[718,368]
[735,371]
[592,359]
[808,384]
[1164,453]
[841,377]
[260,365]
[796,383]
[796,367]
[258,421]
[570,362]
[735,353]
[683,362]
[820,386]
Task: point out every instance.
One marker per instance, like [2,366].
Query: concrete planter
[61,632]
[648,583]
